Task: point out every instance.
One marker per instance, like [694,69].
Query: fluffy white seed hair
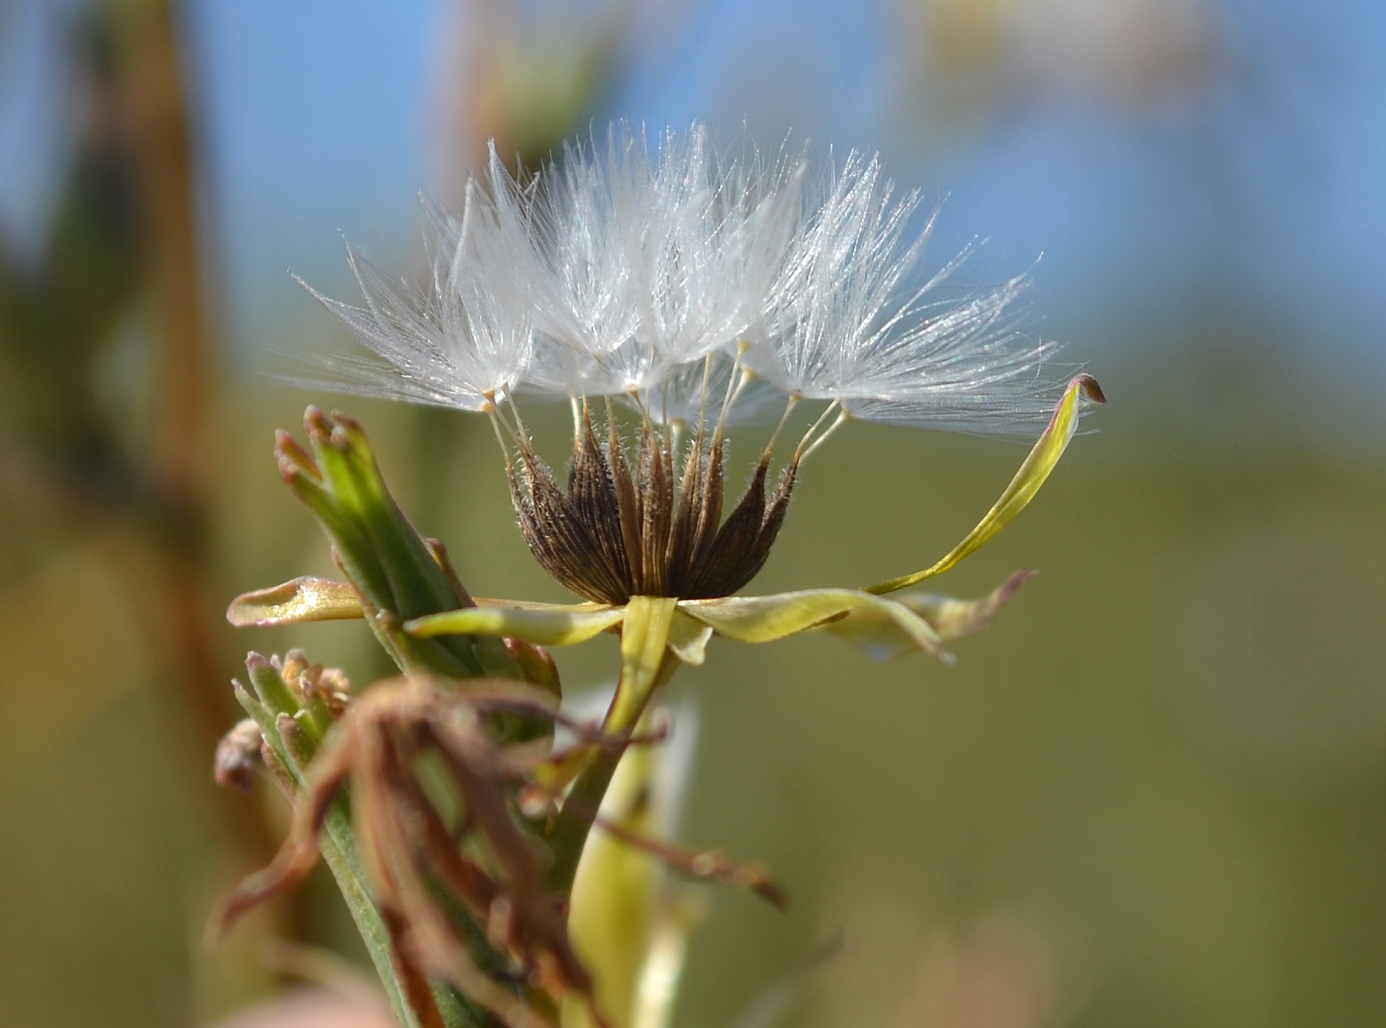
[651,261]
[662,273]
[462,340]
[850,320]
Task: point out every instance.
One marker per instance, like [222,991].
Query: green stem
[338,846]
[646,664]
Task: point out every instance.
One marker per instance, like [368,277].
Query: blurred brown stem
[152,78]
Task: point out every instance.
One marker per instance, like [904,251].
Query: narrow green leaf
[557,627]
[585,605]
[301,472]
[252,706]
[303,599]
[953,619]
[270,686]
[380,551]
[417,583]
[270,732]
[298,742]
[759,619]
[316,717]
[882,638]
[1023,487]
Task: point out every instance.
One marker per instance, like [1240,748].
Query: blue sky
[318,119]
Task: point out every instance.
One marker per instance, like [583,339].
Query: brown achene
[626,528]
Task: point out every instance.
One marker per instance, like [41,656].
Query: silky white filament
[658,273]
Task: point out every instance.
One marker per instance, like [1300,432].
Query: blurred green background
[1153,794]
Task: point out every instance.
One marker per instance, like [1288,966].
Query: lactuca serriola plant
[669,294]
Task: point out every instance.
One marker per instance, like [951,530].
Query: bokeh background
[1154,794]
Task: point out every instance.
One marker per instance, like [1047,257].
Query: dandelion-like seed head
[667,292]
[700,288]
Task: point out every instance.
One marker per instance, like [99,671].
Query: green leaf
[882,639]
[1023,487]
[560,626]
[270,686]
[297,741]
[953,619]
[417,584]
[759,619]
[380,551]
[266,720]
[396,573]
[300,470]
[303,599]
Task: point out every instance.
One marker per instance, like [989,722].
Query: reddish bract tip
[287,448]
[1091,389]
[316,422]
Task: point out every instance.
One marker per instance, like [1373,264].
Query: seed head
[696,287]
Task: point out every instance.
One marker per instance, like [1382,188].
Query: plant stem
[646,664]
[338,846]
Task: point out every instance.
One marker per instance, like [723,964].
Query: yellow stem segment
[644,638]
[646,663]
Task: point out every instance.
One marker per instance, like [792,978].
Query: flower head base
[646,527]
[693,287]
